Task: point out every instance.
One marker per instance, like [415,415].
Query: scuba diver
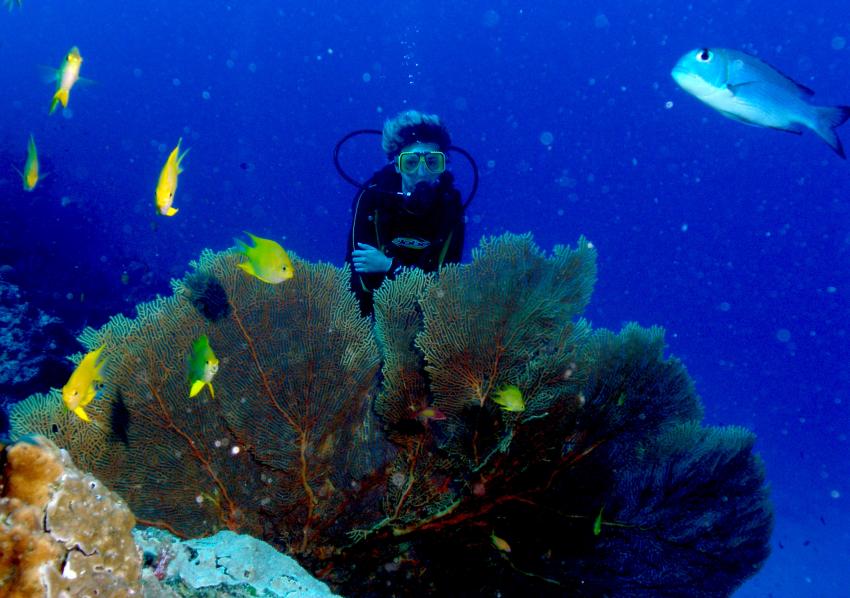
[409,213]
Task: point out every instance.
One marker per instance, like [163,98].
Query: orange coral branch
[410,478]
[249,341]
[439,520]
[229,520]
[312,501]
[162,525]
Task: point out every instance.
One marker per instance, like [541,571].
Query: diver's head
[417,144]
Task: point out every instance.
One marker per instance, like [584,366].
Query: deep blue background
[735,239]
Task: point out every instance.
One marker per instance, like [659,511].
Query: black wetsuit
[427,236]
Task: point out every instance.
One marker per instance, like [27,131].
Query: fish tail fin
[60,97]
[827,119]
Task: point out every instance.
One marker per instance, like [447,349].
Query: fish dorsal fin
[745,67]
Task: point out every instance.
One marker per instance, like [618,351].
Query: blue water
[735,239]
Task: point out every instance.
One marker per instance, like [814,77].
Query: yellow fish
[80,389]
[66,76]
[597,523]
[499,543]
[203,366]
[167,185]
[267,260]
[510,398]
[30,173]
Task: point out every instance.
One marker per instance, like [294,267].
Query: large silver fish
[745,88]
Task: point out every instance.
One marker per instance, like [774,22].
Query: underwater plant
[478,437]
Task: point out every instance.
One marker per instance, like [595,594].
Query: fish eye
[704,55]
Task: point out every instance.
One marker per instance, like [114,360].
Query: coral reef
[31,342]
[377,456]
[62,533]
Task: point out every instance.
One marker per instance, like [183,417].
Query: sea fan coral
[377,454]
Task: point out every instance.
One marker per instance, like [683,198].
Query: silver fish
[747,89]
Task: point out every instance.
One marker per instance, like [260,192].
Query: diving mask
[408,162]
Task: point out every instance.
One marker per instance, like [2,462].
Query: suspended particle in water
[491,18]
[546,138]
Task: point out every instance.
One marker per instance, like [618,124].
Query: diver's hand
[369,260]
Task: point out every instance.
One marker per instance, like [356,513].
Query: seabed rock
[226,564]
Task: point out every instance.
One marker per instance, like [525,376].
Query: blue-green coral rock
[226,564]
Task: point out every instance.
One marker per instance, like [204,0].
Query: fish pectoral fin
[734,87]
[48,74]
[180,160]
[212,392]
[80,412]
[197,386]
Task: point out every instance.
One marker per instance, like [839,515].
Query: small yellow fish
[80,389]
[30,174]
[510,398]
[427,414]
[66,76]
[597,523]
[167,185]
[499,543]
[203,366]
[267,260]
